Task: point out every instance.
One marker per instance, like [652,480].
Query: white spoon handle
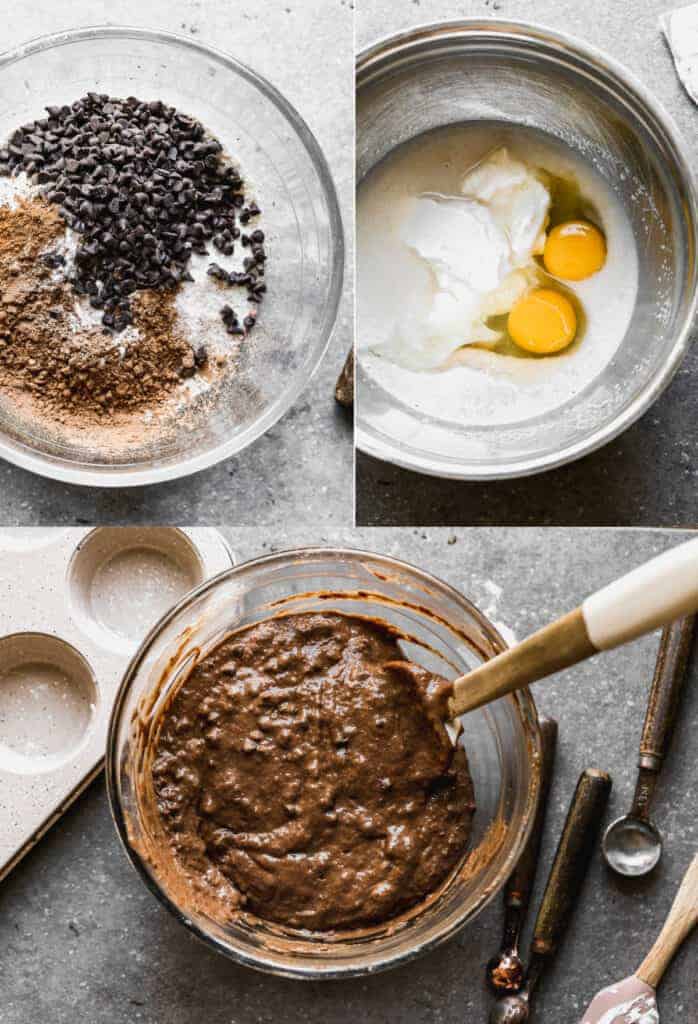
[658,592]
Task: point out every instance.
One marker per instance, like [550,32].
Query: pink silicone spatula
[633,1000]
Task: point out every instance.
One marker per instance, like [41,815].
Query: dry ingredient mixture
[301,777]
[42,352]
[113,197]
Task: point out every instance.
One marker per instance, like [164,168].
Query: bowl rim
[535,34]
[526,711]
[106,475]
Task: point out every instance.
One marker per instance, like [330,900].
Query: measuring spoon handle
[517,893]
[663,702]
[521,882]
[669,677]
[571,862]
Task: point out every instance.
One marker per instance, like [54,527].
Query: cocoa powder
[77,369]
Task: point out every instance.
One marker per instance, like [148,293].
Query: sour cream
[480,247]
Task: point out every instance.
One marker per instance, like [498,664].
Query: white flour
[14,189]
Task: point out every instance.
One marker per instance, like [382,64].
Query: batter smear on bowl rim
[300,777]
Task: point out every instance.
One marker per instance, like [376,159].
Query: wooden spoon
[654,594]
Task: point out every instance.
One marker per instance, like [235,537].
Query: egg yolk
[574,250]
[543,321]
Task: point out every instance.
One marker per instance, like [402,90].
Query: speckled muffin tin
[74,606]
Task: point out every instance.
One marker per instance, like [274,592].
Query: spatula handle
[557,646]
[658,592]
[517,893]
[682,918]
[518,889]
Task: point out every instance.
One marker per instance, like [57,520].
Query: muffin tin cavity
[74,605]
[122,580]
[48,698]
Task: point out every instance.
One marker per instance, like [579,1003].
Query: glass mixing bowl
[285,171]
[450,636]
[523,75]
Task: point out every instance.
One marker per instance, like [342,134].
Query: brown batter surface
[300,777]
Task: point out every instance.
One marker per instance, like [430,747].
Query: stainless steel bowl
[451,636]
[285,170]
[519,74]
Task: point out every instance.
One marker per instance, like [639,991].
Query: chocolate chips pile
[144,186]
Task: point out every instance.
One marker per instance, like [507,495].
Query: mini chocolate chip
[143,185]
[218,272]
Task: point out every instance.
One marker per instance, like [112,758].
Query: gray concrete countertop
[83,939]
[305,48]
[648,476]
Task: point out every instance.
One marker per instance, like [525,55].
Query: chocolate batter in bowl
[250,636]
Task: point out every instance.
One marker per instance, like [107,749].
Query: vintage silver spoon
[506,972]
[564,883]
[632,845]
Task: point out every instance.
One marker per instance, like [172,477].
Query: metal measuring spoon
[516,1008]
[506,972]
[564,883]
[632,845]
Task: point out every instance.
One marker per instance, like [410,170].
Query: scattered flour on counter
[680,28]
[489,606]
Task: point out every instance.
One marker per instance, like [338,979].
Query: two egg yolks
[544,321]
